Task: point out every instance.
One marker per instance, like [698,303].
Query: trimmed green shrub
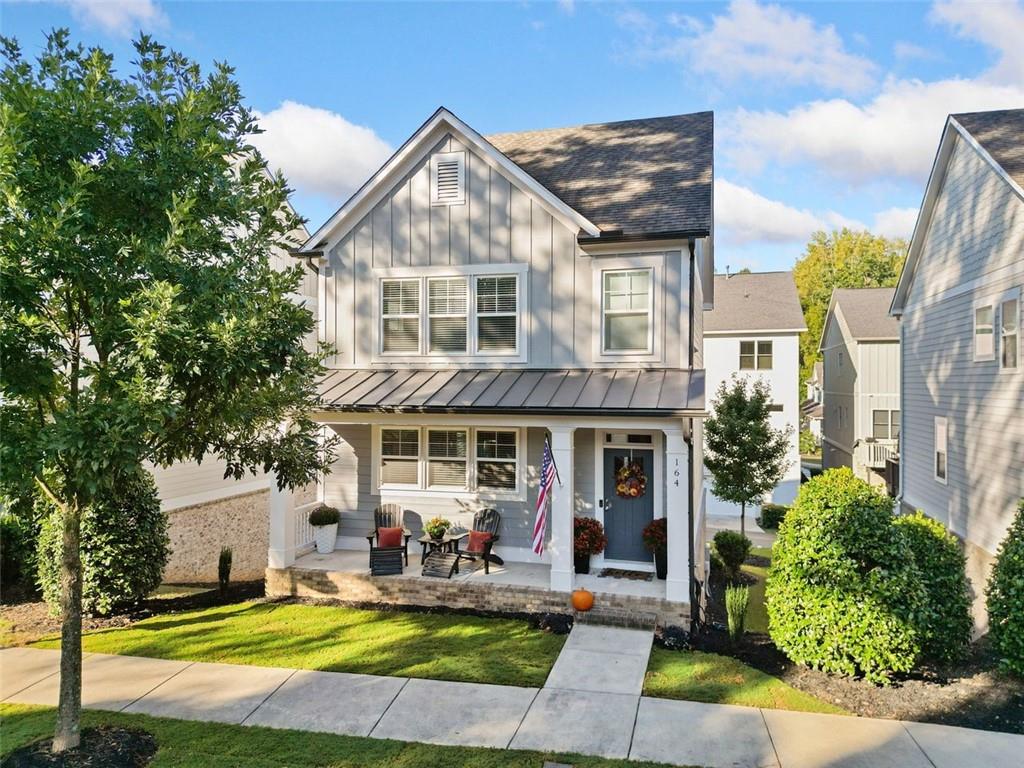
[324,515]
[808,443]
[771,516]
[737,599]
[732,549]
[17,550]
[843,589]
[124,547]
[945,625]
[1005,597]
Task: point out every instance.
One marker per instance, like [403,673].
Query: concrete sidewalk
[612,724]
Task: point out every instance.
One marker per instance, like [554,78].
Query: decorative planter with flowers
[324,520]
[437,527]
[588,539]
[655,537]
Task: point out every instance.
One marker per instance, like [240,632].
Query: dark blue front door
[626,516]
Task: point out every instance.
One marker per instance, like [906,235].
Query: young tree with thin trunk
[744,453]
[140,319]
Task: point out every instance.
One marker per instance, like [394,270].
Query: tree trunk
[69,709]
[743,518]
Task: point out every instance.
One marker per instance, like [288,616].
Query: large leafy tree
[843,259]
[744,453]
[140,319]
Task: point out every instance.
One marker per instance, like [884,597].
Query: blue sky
[826,113]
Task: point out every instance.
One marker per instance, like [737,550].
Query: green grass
[757,613]
[716,679]
[184,744]
[338,639]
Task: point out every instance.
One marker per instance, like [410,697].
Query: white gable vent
[448,178]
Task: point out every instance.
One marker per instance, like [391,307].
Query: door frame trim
[657,445]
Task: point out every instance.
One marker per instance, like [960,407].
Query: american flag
[548,472]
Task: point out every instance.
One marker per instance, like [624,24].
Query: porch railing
[300,521]
[876,453]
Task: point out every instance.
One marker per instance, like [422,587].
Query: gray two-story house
[959,305]
[484,294]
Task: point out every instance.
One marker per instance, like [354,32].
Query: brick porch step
[618,617]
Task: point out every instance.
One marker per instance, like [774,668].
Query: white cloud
[743,216]
[567,6]
[998,25]
[892,136]
[905,51]
[319,151]
[119,17]
[895,222]
[755,42]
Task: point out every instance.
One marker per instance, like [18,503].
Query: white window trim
[656,332]
[997,330]
[944,422]
[474,342]
[470,272]
[423,491]
[477,459]
[439,157]
[650,313]
[431,316]
[381,318]
[991,305]
[757,355]
[419,457]
[425,449]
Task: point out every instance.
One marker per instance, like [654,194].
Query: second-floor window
[447,313]
[941,448]
[1009,334]
[497,314]
[400,316]
[755,355]
[626,310]
[885,425]
[984,340]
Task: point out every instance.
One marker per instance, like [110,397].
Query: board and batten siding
[878,382]
[974,251]
[839,357]
[499,223]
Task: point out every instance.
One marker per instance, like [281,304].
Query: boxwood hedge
[1005,597]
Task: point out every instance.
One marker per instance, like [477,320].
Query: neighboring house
[208,511]
[811,408]
[959,305]
[484,293]
[754,332]
[860,350]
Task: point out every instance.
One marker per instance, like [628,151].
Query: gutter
[617,236]
[308,256]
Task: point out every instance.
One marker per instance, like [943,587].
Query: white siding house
[754,332]
[861,397]
[959,304]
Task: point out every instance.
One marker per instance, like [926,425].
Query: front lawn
[339,639]
[757,613]
[185,744]
[716,679]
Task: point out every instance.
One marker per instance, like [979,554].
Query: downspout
[695,621]
[693,270]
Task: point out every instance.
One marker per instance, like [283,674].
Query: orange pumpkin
[582,600]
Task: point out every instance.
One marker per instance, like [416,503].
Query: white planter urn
[325,537]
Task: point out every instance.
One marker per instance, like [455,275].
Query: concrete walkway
[604,722]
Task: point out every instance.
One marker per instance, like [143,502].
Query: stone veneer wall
[426,591]
[197,534]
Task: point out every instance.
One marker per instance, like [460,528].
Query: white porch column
[560,546]
[282,527]
[677,466]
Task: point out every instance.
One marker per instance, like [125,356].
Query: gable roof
[755,301]
[643,177]
[865,312]
[996,137]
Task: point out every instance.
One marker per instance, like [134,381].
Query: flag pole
[554,464]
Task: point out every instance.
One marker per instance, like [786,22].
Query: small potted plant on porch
[437,527]
[324,520]
[655,537]
[588,539]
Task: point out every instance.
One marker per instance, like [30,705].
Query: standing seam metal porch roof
[608,391]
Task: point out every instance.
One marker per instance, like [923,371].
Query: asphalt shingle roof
[641,176]
[866,311]
[1001,134]
[756,301]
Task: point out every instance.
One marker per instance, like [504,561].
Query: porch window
[400,316]
[399,457]
[941,448]
[447,459]
[626,310]
[447,314]
[1009,334]
[497,314]
[885,425]
[984,340]
[755,355]
[496,457]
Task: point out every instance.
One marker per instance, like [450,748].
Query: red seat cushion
[389,537]
[477,539]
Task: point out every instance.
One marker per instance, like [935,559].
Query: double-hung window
[885,425]
[400,316]
[755,355]
[496,457]
[447,314]
[984,338]
[399,457]
[447,463]
[627,310]
[941,448]
[497,314]
[1009,334]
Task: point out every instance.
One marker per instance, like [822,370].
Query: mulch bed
[971,694]
[102,747]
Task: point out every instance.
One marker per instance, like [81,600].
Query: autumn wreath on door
[631,480]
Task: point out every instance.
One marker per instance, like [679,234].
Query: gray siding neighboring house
[861,382]
[958,302]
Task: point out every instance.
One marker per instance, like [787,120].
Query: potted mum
[588,539]
[324,520]
[655,537]
[437,527]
